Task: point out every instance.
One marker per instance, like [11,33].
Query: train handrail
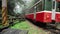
[36,3]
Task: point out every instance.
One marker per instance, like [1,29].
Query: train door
[55,11]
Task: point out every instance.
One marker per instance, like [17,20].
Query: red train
[44,11]
[44,17]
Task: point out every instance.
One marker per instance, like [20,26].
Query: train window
[58,6]
[45,5]
[48,5]
[39,7]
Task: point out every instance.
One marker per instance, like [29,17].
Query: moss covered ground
[23,25]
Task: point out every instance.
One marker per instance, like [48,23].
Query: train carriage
[45,11]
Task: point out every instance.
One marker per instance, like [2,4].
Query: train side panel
[39,17]
[57,17]
[44,17]
[47,17]
[30,16]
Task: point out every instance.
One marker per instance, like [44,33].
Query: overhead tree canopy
[22,4]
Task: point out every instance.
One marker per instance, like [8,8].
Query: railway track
[51,30]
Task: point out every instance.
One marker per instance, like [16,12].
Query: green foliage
[26,26]
[21,25]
